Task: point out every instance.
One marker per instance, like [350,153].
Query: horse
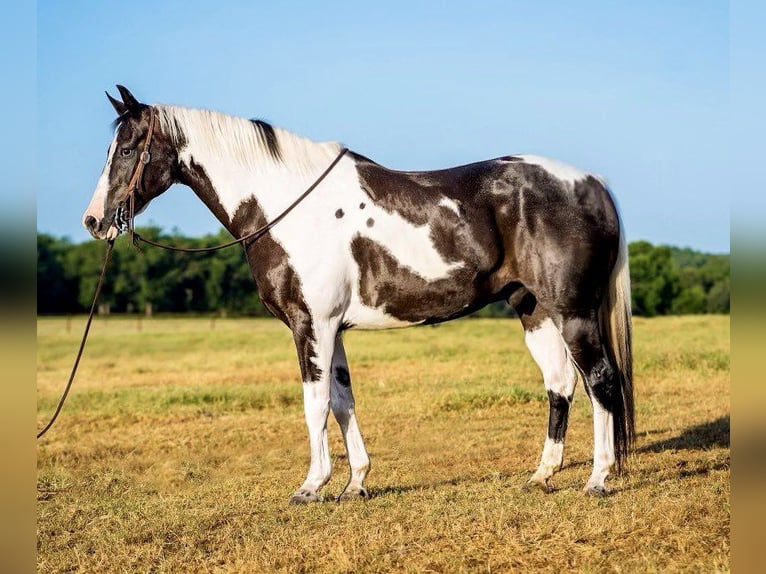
[374,248]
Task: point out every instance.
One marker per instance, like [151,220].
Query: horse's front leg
[342,400]
[315,350]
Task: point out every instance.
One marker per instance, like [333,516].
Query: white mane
[242,141]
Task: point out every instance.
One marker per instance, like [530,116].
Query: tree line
[664,280]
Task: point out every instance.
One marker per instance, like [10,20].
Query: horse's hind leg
[583,339]
[342,402]
[546,346]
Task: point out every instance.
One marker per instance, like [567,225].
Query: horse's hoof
[597,490]
[304,497]
[354,494]
[536,483]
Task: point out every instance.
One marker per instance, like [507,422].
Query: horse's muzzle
[96,228]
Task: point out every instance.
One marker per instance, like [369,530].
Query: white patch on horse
[411,245]
[97,206]
[558,169]
[450,204]
[312,235]
[549,351]
[371,318]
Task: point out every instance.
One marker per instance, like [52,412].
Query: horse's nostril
[90,222]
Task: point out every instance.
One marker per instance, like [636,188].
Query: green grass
[180,445]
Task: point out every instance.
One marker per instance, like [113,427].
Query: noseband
[126,210]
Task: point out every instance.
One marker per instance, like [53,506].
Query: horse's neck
[231,162]
[241,194]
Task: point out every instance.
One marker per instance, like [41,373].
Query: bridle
[123,223]
[143,160]
[125,217]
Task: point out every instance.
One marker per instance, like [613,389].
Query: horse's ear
[118,106]
[130,102]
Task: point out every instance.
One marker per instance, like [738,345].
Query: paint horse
[373,248]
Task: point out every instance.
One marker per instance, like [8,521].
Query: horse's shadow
[704,436]
[712,434]
[403,489]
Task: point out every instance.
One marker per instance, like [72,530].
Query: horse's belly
[387,293]
[360,316]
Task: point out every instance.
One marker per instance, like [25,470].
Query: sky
[638,92]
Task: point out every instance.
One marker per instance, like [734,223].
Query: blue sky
[637,92]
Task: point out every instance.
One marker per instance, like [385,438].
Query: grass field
[181,443]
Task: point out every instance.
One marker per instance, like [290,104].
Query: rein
[108,252]
[126,224]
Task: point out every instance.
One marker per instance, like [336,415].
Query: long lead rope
[108,252]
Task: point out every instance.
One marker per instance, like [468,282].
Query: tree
[719,298]
[653,277]
[56,289]
[704,280]
[690,300]
[664,279]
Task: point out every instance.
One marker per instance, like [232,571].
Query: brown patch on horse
[279,286]
[400,292]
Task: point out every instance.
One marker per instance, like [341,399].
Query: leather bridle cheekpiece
[136,182]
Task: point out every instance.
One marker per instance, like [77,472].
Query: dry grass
[180,446]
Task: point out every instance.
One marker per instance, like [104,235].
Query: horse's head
[124,166]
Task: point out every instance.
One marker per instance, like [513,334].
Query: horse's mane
[248,142]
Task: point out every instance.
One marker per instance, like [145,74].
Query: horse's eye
[126,151]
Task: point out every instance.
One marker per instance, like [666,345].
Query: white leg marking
[603,448]
[316,407]
[550,461]
[342,401]
[560,376]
